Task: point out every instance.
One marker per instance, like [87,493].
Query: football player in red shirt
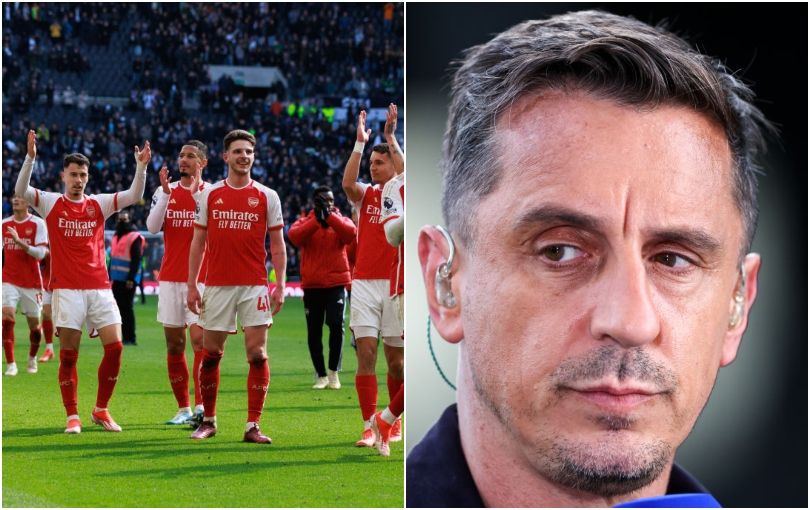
[234,216]
[373,314]
[25,240]
[173,208]
[82,293]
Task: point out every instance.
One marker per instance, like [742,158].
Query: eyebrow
[697,239]
[553,214]
[694,238]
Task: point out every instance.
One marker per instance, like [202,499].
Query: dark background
[750,444]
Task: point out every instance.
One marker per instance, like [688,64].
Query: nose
[624,310]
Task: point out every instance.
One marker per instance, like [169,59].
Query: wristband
[359,146]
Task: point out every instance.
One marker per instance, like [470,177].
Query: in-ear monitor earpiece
[739,301]
[442,283]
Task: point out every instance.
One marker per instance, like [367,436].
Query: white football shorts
[374,312]
[47,297]
[222,304]
[95,308]
[173,309]
[30,300]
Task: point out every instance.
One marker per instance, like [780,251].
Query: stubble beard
[611,467]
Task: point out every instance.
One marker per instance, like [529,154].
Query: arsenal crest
[29,231]
[253,201]
[91,211]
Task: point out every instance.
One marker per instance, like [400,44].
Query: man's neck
[20,215]
[502,471]
[235,180]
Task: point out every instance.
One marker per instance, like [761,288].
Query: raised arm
[135,191]
[278,255]
[390,132]
[353,190]
[160,202]
[23,187]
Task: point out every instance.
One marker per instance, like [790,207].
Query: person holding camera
[322,237]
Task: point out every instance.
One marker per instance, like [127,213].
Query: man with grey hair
[600,174]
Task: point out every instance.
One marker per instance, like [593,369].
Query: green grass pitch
[312,462]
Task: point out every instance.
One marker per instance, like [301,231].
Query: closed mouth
[616,398]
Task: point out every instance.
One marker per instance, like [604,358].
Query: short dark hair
[321,189]
[238,134]
[78,158]
[201,148]
[382,148]
[610,56]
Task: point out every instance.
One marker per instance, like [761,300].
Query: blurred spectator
[83,100]
[69,97]
[56,31]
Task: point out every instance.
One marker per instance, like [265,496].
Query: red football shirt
[237,220]
[76,232]
[178,230]
[374,254]
[19,268]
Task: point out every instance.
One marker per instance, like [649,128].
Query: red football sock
[209,381]
[397,405]
[178,377]
[198,357]
[108,373]
[69,380]
[8,340]
[35,336]
[257,382]
[366,386]
[47,330]
[393,386]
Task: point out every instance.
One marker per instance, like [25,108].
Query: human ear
[745,292]
[441,273]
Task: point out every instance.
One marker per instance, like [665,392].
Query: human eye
[560,254]
[674,261]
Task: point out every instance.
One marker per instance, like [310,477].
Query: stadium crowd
[341,54]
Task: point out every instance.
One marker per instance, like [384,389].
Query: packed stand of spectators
[323,49]
[51,36]
[299,146]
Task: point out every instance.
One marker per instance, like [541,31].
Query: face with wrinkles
[611,248]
